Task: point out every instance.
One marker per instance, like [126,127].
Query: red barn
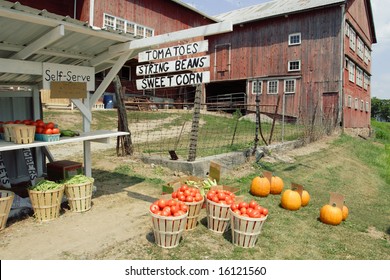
[315,56]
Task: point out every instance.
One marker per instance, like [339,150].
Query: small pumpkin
[277,185]
[291,200]
[305,198]
[331,214]
[260,186]
[345,212]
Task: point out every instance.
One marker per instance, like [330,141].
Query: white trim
[277,86]
[295,86]
[298,34]
[253,82]
[294,61]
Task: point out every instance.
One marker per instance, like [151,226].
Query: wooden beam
[40,43]
[20,67]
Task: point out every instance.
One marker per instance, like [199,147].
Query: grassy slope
[354,167]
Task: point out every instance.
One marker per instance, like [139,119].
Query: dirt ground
[119,212]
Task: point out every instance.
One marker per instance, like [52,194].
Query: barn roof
[274,8]
[28,34]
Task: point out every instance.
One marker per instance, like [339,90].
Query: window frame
[359,76]
[294,35]
[255,86]
[290,63]
[352,39]
[294,86]
[351,71]
[273,87]
[111,22]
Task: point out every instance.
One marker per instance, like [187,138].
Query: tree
[380,109]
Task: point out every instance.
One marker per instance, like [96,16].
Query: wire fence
[158,132]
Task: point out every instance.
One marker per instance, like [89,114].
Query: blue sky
[380,51]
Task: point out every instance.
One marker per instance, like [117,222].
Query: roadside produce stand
[61,54]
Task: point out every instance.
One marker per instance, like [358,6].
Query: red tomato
[50,125]
[48,131]
[254,214]
[179,213]
[228,200]
[161,203]
[27,122]
[154,208]
[249,211]
[187,192]
[39,130]
[184,187]
[174,209]
[40,124]
[174,195]
[210,195]
[184,207]
[238,212]
[253,204]
[243,210]
[215,199]
[167,209]
[198,197]
[243,205]
[221,196]
[265,211]
[182,197]
[165,213]
[189,199]
[234,206]
[56,131]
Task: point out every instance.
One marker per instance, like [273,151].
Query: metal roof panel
[273,8]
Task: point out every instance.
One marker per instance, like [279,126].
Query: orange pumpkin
[345,212]
[260,186]
[277,185]
[305,198]
[291,200]
[331,215]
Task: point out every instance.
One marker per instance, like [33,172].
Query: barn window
[367,106]
[109,21]
[294,65]
[351,70]
[289,86]
[356,104]
[120,24]
[347,29]
[366,81]
[359,77]
[352,39]
[130,28]
[349,104]
[257,87]
[360,47]
[367,55]
[273,87]
[294,39]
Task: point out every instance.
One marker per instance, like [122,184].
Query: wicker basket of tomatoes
[193,199]
[217,208]
[169,218]
[246,222]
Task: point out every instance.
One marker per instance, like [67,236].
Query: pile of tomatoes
[168,208]
[251,209]
[40,126]
[221,196]
[187,194]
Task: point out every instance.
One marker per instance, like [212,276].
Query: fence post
[195,124]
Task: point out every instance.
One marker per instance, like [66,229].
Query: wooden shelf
[94,136]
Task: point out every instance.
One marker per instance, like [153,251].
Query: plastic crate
[47,137]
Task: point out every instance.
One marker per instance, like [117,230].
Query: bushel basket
[168,230]
[218,216]
[245,231]
[193,213]
[6,199]
[46,204]
[79,196]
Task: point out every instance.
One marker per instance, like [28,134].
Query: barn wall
[260,50]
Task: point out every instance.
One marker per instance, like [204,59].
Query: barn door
[330,101]
[222,61]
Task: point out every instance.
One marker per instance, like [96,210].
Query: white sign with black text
[187,49]
[186,79]
[174,66]
[68,73]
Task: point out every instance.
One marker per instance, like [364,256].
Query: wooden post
[124,144]
[195,124]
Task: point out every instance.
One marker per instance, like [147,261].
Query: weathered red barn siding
[59,7]
[259,50]
[357,117]
[162,16]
